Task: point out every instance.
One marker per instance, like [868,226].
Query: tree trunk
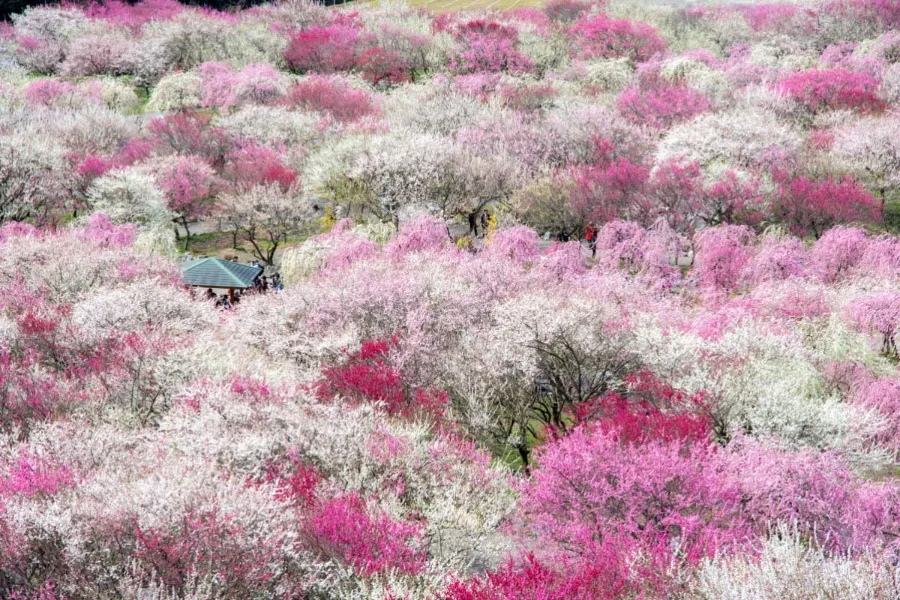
[524,453]
[187,233]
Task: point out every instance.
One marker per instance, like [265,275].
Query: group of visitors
[590,236]
[261,285]
[474,219]
[224,301]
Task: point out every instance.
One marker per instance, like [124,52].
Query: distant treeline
[11,7]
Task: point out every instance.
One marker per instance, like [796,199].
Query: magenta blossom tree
[600,36]
[833,89]
[660,105]
[488,47]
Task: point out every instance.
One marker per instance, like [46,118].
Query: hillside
[578,301]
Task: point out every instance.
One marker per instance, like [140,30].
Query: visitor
[485,218]
[590,234]
[210,295]
[473,224]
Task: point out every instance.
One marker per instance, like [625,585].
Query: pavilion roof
[218,273]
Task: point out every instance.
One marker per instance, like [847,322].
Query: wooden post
[231,295]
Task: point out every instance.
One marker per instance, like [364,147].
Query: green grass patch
[892,216]
[214,243]
[221,245]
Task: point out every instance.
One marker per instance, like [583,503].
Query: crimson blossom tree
[190,133]
[368,376]
[608,190]
[602,577]
[811,206]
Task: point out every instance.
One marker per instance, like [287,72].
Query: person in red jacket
[590,234]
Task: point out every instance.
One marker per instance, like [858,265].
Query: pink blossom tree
[722,254]
[589,485]
[189,184]
[223,88]
[777,260]
[566,11]
[878,313]
[838,252]
[332,96]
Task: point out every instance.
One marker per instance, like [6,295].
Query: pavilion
[215,273]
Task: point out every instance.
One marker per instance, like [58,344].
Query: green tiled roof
[218,273]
